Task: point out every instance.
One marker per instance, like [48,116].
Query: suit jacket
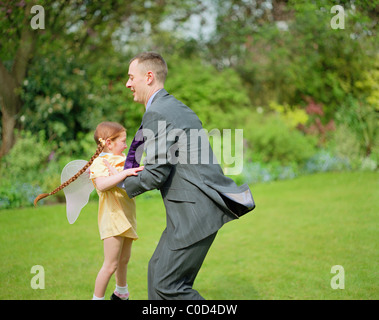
[179,162]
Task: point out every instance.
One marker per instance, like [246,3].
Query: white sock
[97,298]
[122,290]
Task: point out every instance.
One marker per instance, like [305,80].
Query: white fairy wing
[76,193]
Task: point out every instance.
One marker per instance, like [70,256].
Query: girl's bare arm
[106,183]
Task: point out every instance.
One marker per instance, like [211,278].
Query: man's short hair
[153,61]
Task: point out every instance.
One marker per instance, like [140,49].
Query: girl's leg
[112,248]
[121,272]
[122,292]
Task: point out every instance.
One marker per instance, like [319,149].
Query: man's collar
[152,98]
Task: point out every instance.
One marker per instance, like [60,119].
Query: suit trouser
[172,273]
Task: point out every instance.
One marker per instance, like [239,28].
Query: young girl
[117,212]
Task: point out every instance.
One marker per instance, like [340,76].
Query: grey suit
[198,197]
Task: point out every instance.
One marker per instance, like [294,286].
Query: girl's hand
[133,171]
[106,183]
[112,170]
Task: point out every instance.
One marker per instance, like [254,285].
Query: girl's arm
[106,183]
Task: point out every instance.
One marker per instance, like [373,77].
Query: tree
[83,29]
[286,50]
[11,80]
[68,26]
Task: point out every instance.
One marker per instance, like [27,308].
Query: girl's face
[118,145]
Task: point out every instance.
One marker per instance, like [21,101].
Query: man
[198,198]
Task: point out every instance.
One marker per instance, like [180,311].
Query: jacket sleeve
[157,167]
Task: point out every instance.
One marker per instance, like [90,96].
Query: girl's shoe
[117,296]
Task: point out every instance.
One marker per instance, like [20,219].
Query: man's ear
[150,77]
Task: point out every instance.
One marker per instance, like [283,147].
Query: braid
[99,149]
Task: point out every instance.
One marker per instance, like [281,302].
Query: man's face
[138,82]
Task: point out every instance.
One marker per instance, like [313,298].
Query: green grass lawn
[284,249]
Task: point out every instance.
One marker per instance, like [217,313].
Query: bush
[324,161]
[255,172]
[270,139]
[26,156]
[22,170]
[17,194]
[368,164]
[217,97]
[345,144]
[34,166]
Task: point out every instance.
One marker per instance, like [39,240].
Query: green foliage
[302,57]
[369,86]
[322,83]
[218,97]
[345,144]
[271,139]
[34,166]
[293,117]
[64,97]
[11,18]
[363,120]
[324,161]
[303,63]
[28,153]
[259,172]
[17,194]
[22,170]
[367,109]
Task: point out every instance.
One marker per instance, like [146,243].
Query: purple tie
[133,160]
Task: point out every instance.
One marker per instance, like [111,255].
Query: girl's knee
[124,260]
[110,268]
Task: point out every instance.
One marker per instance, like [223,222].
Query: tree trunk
[11,82]
[8,123]
[10,106]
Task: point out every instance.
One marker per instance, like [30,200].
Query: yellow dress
[117,212]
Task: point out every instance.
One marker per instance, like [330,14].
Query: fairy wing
[76,193]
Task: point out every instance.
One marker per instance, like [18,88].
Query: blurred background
[305,93]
